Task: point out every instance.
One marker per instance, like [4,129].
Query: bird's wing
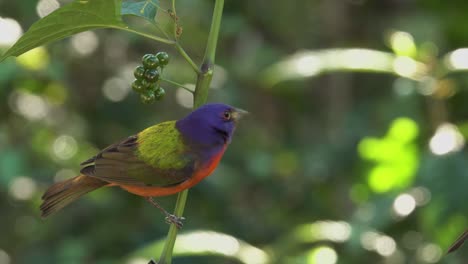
[154,157]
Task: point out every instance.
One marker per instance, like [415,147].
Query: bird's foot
[173,219]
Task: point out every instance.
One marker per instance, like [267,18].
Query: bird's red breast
[202,171]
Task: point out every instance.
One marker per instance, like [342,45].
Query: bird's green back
[162,146]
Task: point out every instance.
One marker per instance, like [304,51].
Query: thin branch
[166,256]
[177,84]
[200,98]
[210,51]
[176,24]
[156,38]
[186,57]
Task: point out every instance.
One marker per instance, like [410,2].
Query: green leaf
[146,9]
[70,19]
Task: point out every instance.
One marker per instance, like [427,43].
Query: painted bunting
[161,160]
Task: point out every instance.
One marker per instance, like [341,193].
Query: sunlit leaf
[305,64]
[395,156]
[207,243]
[402,43]
[70,19]
[146,9]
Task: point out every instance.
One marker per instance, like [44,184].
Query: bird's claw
[177,221]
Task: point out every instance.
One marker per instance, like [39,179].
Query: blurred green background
[354,151]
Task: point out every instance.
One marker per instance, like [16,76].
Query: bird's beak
[238,114]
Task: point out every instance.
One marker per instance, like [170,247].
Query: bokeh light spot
[10,31]
[395,156]
[429,253]
[64,147]
[446,139]
[208,241]
[31,106]
[404,129]
[252,255]
[222,244]
[385,245]
[368,240]
[311,63]
[22,188]
[322,255]
[458,59]
[115,89]
[336,231]
[381,179]
[403,86]
[184,98]
[4,257]
[220,76]
[404,204]
[45,7]
[405,66]
[402,44]
[427,86]
[35,59]
[85,43]
[421,195]
[307,65]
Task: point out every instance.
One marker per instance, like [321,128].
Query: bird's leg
[170,218]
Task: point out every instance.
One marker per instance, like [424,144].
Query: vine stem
[174,43]
[204,76]
[175,19]
[156,38]
[177,84]
[186,57]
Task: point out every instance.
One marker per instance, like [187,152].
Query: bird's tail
[62,193]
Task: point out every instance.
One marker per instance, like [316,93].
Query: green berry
[153,87]
[137,86]
[139,72]
[148,97]
[159,93]
[151,75]
[163,58]
[146,57]
[145,84]
[150,61]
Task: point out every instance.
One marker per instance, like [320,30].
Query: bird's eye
[227,115]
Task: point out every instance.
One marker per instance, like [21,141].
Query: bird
[459,242]
[161,160]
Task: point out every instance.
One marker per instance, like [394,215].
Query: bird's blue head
[210,124]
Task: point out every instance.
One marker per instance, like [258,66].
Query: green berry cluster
[147,80]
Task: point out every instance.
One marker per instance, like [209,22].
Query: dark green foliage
[146,9]
[297,161]
[75,17]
